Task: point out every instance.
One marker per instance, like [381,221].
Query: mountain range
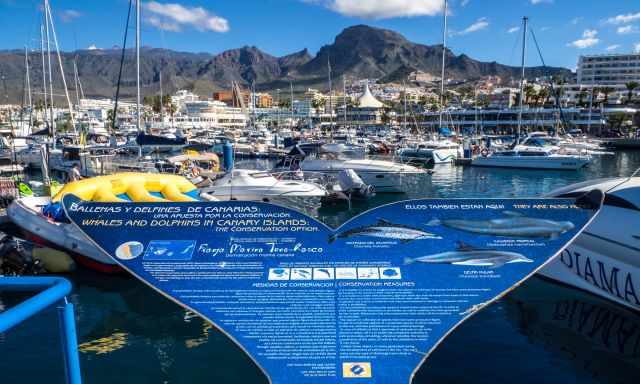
[358,52]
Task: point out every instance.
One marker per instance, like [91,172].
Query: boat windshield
[541,142]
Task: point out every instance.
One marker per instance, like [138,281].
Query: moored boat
[43,221]
[245,184]
[532,159]
[605,258]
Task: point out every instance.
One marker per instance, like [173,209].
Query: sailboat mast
[525,21]
[291,90]
[27,77]
[330,97]
[28,90]
[52,127]
[44,75]
[593,84]
[344,96]
[64,80]
[161,100]
[138,121]
[444,53]
[404,122]
[75,78]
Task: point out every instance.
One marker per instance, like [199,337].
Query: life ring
[484,152]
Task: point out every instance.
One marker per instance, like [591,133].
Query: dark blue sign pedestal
[365,303]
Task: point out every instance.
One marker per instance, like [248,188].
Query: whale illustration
[514,225]
[469,255]
[386,230]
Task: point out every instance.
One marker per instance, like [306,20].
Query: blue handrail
[55,290]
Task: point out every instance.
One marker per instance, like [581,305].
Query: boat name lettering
[610,279]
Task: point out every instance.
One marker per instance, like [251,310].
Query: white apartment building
[210,114]
[609,69]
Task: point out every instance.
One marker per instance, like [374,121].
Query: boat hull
[568,164]
[385,177]
[426,156]
[583,267]
[382,182]
[62,236]
[605,258]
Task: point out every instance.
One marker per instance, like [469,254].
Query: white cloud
[176,15]
[479,25]
[543,29]
[464,2]
[536,2]
[513,29]
[613,47]
[628,29]
[382,9]
[69,15]
[576,20]
[164,25]
[589,39]
[636,47]
[92,47]
[624,19]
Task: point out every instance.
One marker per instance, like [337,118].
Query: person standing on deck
[74,173]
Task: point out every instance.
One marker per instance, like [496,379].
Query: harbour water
[541,332]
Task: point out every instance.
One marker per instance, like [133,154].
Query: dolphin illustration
[386,230]
[469,255]
[514,225]
[188,249]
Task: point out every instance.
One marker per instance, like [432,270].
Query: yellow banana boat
[42,220]
[131,187]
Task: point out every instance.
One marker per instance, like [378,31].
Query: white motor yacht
[532,158]
[384,176]
[436,152]
[567,146]
[245,184]
[605,258]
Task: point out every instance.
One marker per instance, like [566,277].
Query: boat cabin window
[261,175]
[71,154]
[530,153]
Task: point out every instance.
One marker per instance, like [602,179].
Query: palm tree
[607,91]
[529,93]
[631,86]
[581,96]
[544,96]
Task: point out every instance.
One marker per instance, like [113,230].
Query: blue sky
[483,29]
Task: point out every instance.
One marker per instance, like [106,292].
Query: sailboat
[437,150]
[526,156]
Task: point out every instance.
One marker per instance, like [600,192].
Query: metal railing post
[69,343]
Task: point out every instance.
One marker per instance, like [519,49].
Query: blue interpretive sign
[364,303]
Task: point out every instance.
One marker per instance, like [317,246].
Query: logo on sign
[356,370]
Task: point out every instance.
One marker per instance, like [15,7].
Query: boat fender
[52,260]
